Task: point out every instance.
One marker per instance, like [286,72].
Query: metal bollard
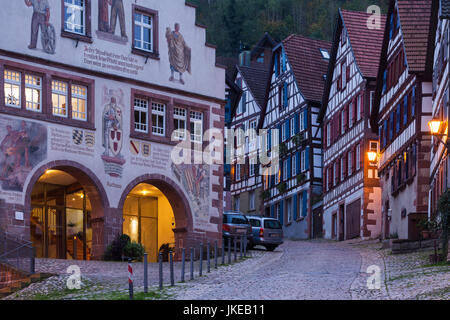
[33,261]
[215,254]
[192,263]
[240,248]
[183,263]
[172,276]
[229,250]
[245,247]
[200,272]
[74,248]
[208,258]
[160,271]
[145,272]
[223,251]
[130,279]
[235,248]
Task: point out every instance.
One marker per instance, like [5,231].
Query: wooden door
[353,220]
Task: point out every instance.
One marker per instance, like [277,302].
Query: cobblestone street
[297,270]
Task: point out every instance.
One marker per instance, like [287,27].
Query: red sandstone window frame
[170,104]
[46,113]
[155,29]
[87,37]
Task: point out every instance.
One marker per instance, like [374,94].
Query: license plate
[275,235]
[241,230]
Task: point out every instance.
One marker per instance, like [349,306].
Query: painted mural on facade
[41,21]
[179,54]
[111,14]
[195,181]
[23,145]
[112,131]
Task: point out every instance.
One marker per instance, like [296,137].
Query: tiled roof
[366,43]
[257,79]
[229,63]
[445,12]
[308,64]
[415,17]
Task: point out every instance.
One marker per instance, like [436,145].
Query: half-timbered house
[351,184]
[293,187]
[440,163]
[402,108]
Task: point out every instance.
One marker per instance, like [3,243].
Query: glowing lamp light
[435,126]
[134,226]
[372,155]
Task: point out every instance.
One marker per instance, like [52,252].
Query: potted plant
[425,226]
[298,139]
[301,177]
[265,194]
[282,187]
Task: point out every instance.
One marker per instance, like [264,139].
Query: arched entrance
[156,213]
[66,209]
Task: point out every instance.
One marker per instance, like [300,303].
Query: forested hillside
[232,22]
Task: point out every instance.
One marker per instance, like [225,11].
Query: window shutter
[399,118]
[269,137]
[244,102]
[297,123]
[277,71]
[283,55]
[391,26]
[285,95]
[295,206]
[282,212]
[287,128]
[305,118]
[279,134]
[405,110]
[347,74]
[307,158]
[413,102]
[346,114]
[345,165]
[289,167]
[338,171]
[298,163]
[272,211]
[384,81]
[305,203]
[391,126]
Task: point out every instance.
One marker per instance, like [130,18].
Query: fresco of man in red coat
[41,17]
[103,15]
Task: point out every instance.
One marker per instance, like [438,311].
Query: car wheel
[270,248]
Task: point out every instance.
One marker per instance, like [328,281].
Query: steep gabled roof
[415,17]
[265,42]
[308,64]
[256,79]
[418,21]
[365,43]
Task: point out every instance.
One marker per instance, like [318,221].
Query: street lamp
[436,127]
[372,155]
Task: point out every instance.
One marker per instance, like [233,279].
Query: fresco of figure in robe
[179,54]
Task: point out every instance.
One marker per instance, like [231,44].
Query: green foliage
[115,251]
[444,211]
[282,187]
[134,250]
[265,194]
[234,23]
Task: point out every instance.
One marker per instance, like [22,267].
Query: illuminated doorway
[148,219]
[60,221]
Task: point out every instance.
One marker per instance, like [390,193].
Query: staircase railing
[16,253]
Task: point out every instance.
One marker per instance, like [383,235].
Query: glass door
[56,247]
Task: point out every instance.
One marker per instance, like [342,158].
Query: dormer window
[325,54]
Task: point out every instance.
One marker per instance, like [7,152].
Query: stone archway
[94,190]
[180,206]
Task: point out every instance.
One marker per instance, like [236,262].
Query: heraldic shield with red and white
[115,141]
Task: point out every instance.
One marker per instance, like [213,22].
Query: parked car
[267,232]
[235,224]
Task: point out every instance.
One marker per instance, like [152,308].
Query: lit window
[196,124]
[33,92]
[179,121]
[158,119]
[75,16]
[12,88]
[79,102]
[59,98]
[141,115]
[143,32]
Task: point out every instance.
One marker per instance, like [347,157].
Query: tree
[444,211]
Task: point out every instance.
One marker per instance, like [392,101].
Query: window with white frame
[303,161]
[75,16]
[141,115]
[358,108]
[302,121]
[328,134]
[342,169]
[289,211]
[237,203]
[251,200]
[59,98]
[179,122]
[293,165]
[79,102]
[33,93]
[342,122]
[238,172]
[252,166]
[335,173]
[158,119]
[253,134]
[344,74]
[285,170]
[358,157]
[292,126]
[350,162]
[283,132]
[196,122]
[350,114]
[12,88]
[143,31]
